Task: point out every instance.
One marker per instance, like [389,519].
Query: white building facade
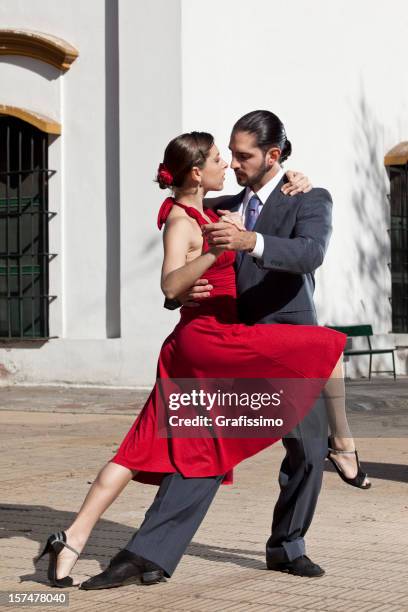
[110,82]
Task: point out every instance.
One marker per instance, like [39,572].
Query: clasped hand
[229,234]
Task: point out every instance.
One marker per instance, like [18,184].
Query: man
[285,242]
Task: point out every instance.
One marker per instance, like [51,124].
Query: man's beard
[249,181]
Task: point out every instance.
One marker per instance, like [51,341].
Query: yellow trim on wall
[43,123]
[398,155]
[38,45]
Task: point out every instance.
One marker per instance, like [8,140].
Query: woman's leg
[341,436]
[108,484]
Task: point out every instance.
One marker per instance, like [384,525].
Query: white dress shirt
[263,194]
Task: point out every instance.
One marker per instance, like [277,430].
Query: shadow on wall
[371,209]
[33,65]
[112,180]
[367,282]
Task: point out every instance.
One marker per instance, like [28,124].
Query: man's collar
[265,191]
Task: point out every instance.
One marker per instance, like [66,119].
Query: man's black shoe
[125,568]
[301,566]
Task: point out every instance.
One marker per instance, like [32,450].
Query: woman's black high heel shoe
[359,478]
[55,543]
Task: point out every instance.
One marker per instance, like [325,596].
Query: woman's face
[213,172]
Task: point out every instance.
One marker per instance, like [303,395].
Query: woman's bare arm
[177,275]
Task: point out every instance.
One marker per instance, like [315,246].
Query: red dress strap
[164,212]
[192,212]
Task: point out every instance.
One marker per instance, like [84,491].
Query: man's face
[248,161]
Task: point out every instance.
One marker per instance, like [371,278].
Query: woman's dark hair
[268,129]
[182,154]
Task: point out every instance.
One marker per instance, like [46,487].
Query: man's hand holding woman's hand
[229,234]
[199,291]
[232,217]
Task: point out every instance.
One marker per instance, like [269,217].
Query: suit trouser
[182,503]
[300,481]
[173,518]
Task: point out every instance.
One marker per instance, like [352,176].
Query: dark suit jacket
[296,231]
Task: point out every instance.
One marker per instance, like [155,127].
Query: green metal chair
[354,331]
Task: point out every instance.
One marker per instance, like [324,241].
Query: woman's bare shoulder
[179,221]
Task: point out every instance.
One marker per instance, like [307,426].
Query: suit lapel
[266,217]
[234,203]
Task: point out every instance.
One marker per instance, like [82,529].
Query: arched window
[24,213]
[24,219]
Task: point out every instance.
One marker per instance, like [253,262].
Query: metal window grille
[399,246]
[24,217]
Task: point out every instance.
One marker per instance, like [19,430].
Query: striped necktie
[251,216]
[252,212]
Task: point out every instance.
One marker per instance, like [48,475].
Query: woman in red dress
[209,342]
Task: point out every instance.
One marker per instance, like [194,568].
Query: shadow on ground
[37,522]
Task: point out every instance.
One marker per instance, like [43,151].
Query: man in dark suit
[285,242]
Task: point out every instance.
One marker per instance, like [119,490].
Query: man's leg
[169,525]
[300,481]
[173,518]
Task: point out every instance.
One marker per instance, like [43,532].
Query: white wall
[77,100]
[108,315]
[150,114]
[335,73]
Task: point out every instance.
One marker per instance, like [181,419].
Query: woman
[208,342]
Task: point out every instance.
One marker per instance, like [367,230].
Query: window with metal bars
[24,217]
[399,246]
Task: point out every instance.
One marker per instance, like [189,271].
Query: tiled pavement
[53,442]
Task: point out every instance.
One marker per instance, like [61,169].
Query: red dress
[210,342]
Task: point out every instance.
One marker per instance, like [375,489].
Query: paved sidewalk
[54,440]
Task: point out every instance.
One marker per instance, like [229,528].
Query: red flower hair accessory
[164,175]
